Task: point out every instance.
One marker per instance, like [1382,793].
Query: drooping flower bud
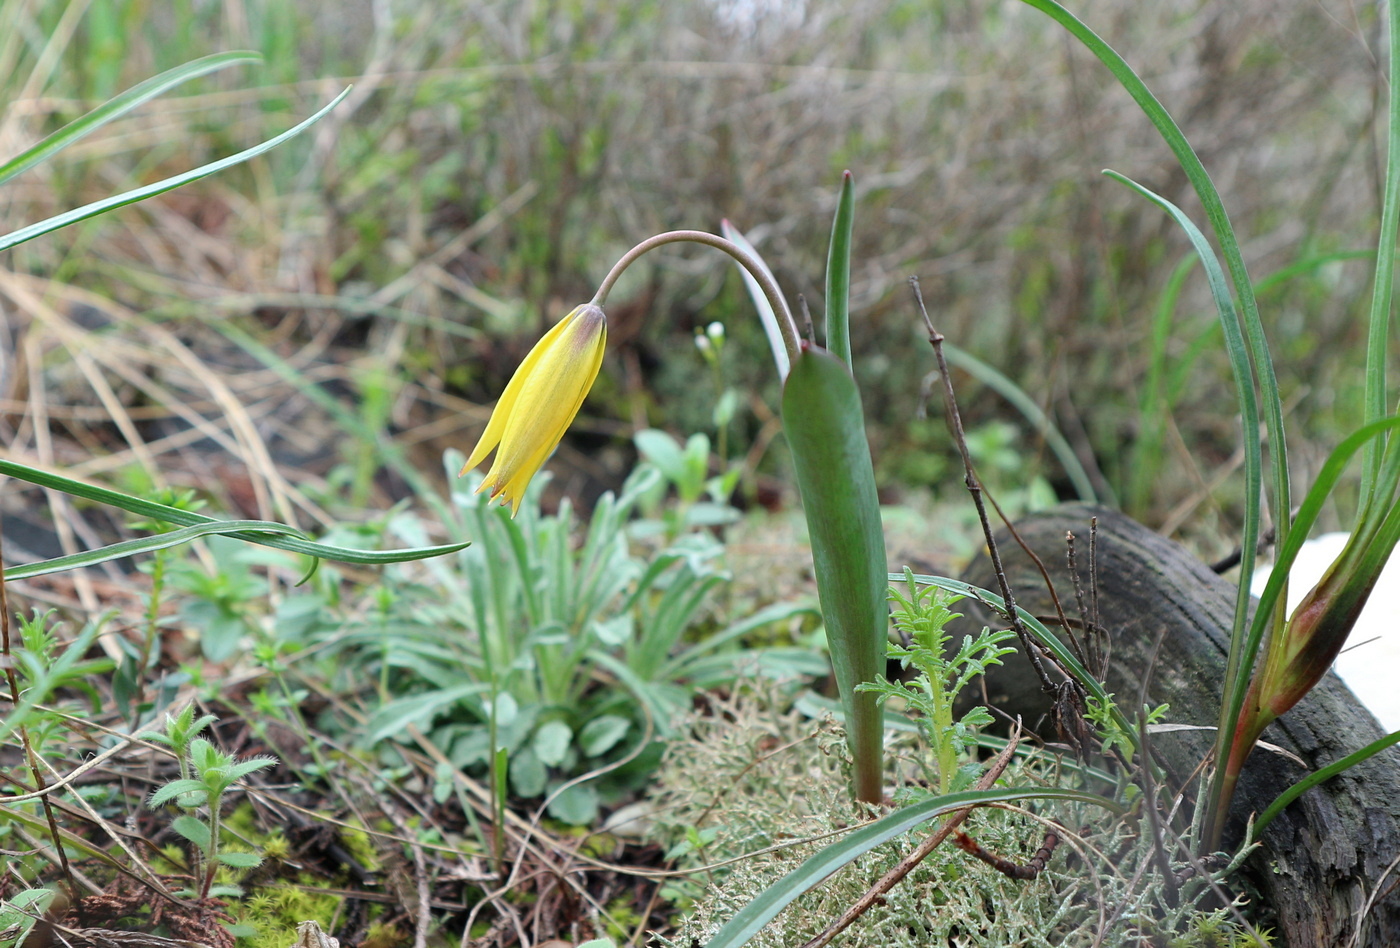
[540,403]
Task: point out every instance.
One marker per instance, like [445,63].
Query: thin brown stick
[1094,579]
[1093,635]
[974,487]
[1078,594]
[906,865]
[1039,564]
[1006,867]
[1149,803]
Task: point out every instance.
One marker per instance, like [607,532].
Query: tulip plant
[825,429]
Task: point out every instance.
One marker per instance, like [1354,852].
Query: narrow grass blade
[760,300]
[1320,776]
[838,273]
[187,518]
[749,920]
[679,666]
[116,107]
[150,544]
[160,187]
[1374,486]
[1240,663]
[825,429]
[1026,405]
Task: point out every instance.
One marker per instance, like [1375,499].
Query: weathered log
[1168,618]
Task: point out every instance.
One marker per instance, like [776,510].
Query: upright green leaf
[1241,661]
[1378,335]
[838,273]
[825,430]
[1224,233]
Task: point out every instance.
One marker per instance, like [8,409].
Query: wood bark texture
[1168,617]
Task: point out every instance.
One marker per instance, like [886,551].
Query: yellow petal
[540,402]
[496,425]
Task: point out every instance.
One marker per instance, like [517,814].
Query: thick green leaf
[602,733]
[187,518]
[240,860]
[551,742]
[752,917]
[174,789]
[160,187]
[825,429]
[116,107]
[395,717]
[838,273]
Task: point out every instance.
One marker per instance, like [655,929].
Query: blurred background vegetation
[303,336]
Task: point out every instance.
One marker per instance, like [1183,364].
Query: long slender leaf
[1319,776]
[1224,234]
[752,917]
[838,273]
[1240,663]
[1374,486]
[825,429]
[187,518]
[150,544]
[777,612]
[17,237]
[118,106]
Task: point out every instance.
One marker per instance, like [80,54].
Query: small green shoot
[206,774]
[921,617]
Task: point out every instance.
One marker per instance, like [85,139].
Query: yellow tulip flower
[540,403]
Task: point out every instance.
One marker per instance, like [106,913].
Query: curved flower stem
[786,325]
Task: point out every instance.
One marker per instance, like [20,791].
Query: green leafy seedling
[921,617]
[206,774]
